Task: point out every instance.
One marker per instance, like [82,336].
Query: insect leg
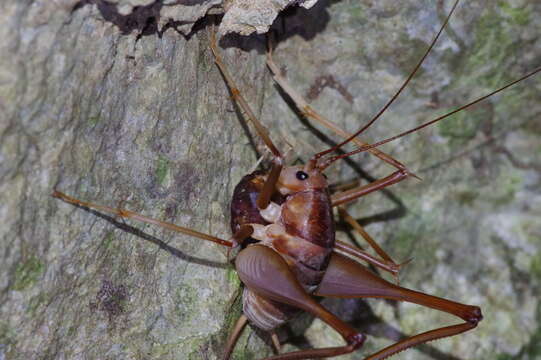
[276,342]
[382,264]
[358,227]
[352,194]
[342,247]
[131,215]
[306,110]
[234,337]
[346,278]
[267,274]
[262,131]
[277,163]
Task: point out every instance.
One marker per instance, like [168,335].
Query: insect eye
[301,175]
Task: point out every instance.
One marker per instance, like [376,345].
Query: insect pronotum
[410,180]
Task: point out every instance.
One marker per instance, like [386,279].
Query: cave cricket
[283,229]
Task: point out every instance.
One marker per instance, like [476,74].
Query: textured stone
[241,16]
[111,109]
[247,16]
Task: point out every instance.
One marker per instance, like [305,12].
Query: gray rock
[247,16]
[107,108]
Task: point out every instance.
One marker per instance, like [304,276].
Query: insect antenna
[330,160]
[395,96]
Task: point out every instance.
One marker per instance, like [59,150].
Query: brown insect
[283,231]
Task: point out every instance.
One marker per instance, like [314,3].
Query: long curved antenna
[384,108]
[367,147]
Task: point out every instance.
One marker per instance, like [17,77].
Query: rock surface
[108,108]
[247,16]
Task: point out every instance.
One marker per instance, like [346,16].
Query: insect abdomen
[244,209]
[264,313]
[308,215]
